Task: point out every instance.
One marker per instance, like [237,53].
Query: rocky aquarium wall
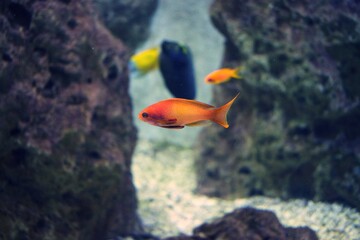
[66,129]
[295,130]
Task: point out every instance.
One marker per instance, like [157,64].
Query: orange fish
[176,113]
[222,75]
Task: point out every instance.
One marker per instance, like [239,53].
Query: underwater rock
[294,130]
[66,131]
[128,20]
[248,223]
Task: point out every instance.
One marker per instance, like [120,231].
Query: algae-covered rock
[127,19]
[294,130]
[66,132]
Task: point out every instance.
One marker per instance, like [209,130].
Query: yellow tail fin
[236,73]
[220,113]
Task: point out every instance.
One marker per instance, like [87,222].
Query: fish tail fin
[237,72]
[220,113]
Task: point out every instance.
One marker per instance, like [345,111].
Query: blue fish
[177,70]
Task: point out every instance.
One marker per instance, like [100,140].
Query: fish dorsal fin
[198,123]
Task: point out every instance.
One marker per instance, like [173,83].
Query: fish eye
[144,115]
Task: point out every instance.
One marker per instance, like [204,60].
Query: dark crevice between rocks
[6,58]
[19,15]
[244,170]
[108,60]
[255,192]
[112,73]
[72,23]
[40,52]
[232,53]
[65,1]
[5,84]
[50,89]
[347,56]
[302,182]
[343,26]
[346,124]
[15,132]
[60,79]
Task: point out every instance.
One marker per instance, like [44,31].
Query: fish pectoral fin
[198,123]
[173,127]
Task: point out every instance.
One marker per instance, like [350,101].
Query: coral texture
[66,131]
[294,131]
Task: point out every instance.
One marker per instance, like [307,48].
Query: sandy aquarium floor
[165,180]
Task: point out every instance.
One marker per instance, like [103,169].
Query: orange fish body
[222,75]
[176,113]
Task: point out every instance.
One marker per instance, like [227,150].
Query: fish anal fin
[173,127]
[198,123]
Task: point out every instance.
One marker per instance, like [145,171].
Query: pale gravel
[165,181]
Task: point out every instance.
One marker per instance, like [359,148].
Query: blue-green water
[77,163]
[186,22]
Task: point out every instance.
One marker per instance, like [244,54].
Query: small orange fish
[176,113]
[222,75]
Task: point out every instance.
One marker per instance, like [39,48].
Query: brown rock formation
[294,130]
[66,131]
[128,20]
[248,224]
